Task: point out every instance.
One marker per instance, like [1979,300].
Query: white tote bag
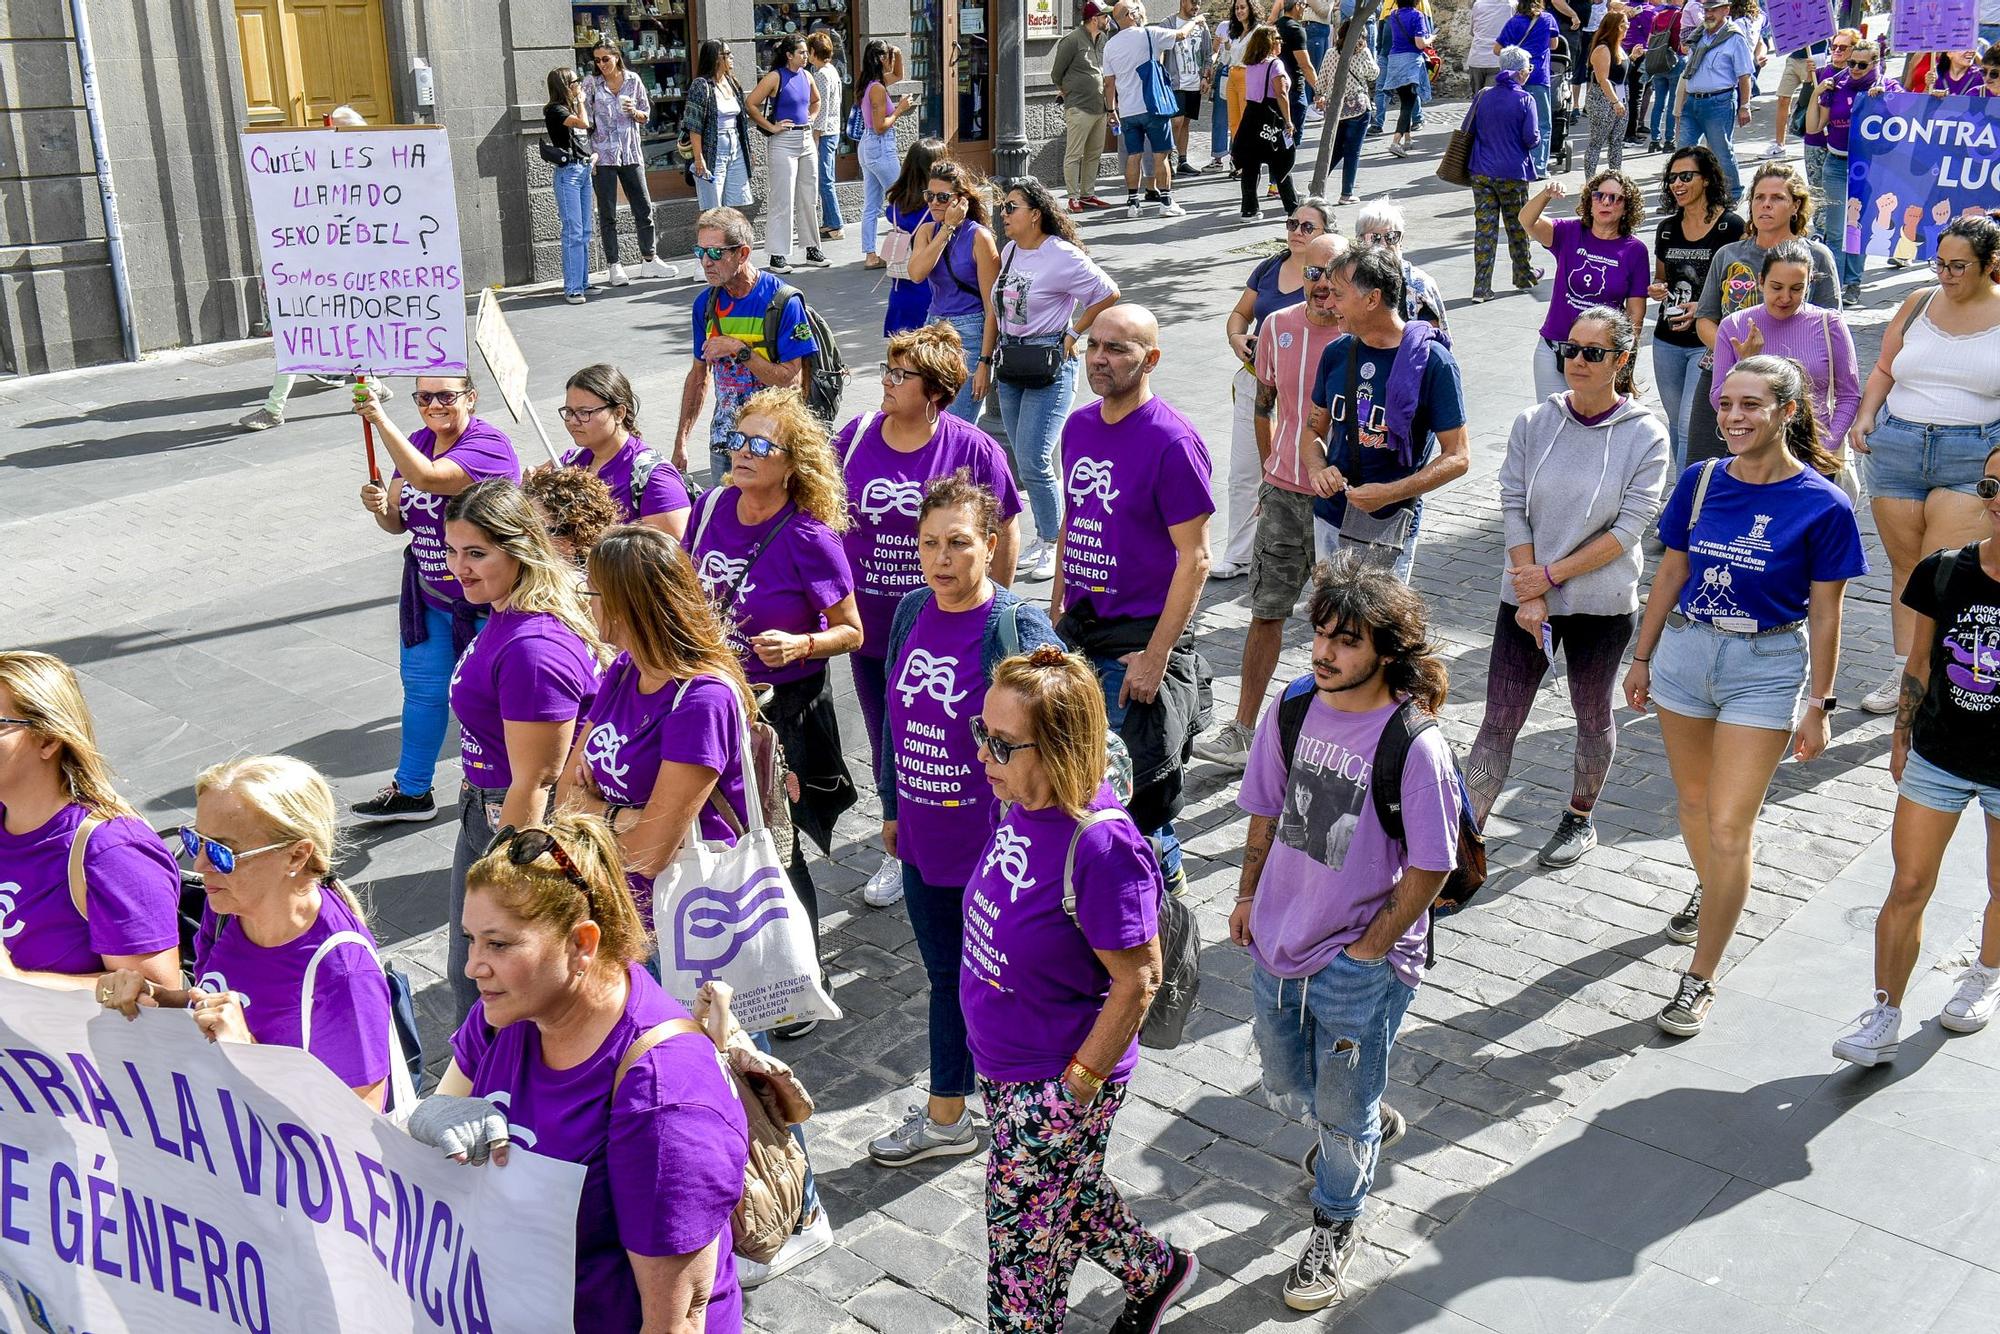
[729,914]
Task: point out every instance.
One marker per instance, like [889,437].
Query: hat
[1716,4]
[1092,10]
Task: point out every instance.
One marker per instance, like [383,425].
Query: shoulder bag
[1455,167]
[1025,365]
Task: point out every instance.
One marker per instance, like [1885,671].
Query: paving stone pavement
[223,593]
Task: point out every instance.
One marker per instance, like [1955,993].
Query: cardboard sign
[1796,24]
[1935,25]
[496,344]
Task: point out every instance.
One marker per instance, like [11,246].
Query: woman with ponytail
[1740,640]
[1579,485]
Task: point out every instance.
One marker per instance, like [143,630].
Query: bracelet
[1637,658]
[1084,1074]
[1246,898]
[809,646]
[1553,581]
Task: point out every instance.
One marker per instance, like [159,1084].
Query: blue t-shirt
[1533,36]
[1759,549]
[715,311]
[1269,298]
[1440,407]
[1405,26]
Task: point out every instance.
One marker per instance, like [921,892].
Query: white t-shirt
[1125,53]
[1190,55]
[1488,18]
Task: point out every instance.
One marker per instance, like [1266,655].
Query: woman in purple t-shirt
[278,931]
[564,1002]
[1599,262]
[64,918]
[601,411]
[517,691]
[954,251]
[452,450]
[1053,996]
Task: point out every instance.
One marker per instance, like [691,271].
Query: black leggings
[1406,107]
[1249,154]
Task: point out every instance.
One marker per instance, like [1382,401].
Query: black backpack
[1385,792]
[825,370]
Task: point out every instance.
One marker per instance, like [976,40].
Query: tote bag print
[723,913]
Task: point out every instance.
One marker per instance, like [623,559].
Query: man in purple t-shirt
[1134,546]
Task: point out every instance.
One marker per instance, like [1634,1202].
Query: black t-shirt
[1957,727]
[566,138]
[1291,37]
[1687,269]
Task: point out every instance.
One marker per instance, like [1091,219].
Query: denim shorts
[1701,672]
[1908,460]
[1142,132]
[1941,790]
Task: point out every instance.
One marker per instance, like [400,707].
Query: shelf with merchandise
[657,39]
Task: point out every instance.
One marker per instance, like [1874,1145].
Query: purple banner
[1934,25]
[1915,162]
[1799,23]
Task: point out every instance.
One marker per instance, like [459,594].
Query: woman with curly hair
[576,507]
[1599,262]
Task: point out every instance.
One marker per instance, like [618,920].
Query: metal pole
[114,231]
[1329,128]
[1010,83]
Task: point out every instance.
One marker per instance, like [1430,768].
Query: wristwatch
[1826,705]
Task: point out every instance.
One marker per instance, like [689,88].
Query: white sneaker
[1883,698]
[1972,1005]
[1877,1033]
[1029,555]
[617,278]
[885,887]
[1229,746]
[1775,153]
[1045,564]
[1172,211]
[658,268]
[1223,569]
[808,1242]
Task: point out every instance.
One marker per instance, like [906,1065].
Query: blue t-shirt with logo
[1757,549]
[1440,407]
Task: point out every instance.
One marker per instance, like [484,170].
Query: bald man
[1136,506]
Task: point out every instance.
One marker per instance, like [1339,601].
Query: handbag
[1455,167]
[1025,365]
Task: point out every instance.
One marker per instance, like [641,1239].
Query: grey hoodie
[1564,483]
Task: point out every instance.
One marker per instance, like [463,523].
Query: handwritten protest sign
[1914,163]
[495,341]
[1934,25]
[151,1181]
[357,229]
[1799,23]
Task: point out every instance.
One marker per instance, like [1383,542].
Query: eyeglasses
[1382,238]
[940,196]
[1566,351]
[527,846]
[1303,226]
[1315,272]
[756,446]
[575,415]
[440,398]
[1955,267]
[221,856]
[1683,177]
[1607,196]
[894,375]
[1986,488]
[1001,751]
[714,254]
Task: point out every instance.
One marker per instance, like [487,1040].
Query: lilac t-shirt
[1125,486]
[132,892]
[350,998]
[663,1184]
[524,667]
[1031,984]
[1591,271]
[885,490]
[1331,865]
[945,809]
[484,453]
[788,586]
[665,492]
[1039,290]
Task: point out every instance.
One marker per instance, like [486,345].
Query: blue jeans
[728,179]
[1111,678]
[1324,1044]
[573,205]
[829,203]
[426,671]
[1034,420]
[1713,120]
[1218,115]
[1318,37]
[1833,219]
[937,918]
[1540,93]
[1353,135]
[1678,369]
[972,332]
[1663,101]
[878,173]
[871,692]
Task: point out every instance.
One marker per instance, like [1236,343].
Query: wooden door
[267,86]
[303,58]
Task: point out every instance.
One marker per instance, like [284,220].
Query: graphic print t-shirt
[715,311]
[1126,485]
[1757,549]
[1687,263]
[1368,456]
[1954,724]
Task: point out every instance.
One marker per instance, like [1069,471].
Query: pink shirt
[1288,352]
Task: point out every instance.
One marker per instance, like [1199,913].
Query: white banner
[151,1181]
[357,230]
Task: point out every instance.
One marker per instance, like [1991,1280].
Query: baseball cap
[1091,10]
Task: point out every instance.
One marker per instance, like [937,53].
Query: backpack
[1385,792]
[644,465]
[1660,56]
[825,369]
[1165,1024]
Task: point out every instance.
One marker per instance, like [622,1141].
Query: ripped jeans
[1324,1041]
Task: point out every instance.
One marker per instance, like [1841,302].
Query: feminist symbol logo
[9,928]
[1009,852]
[1091,477]
[424,502]
[718,571]
[926,675]
[713,925]
[600,752]
[882,496]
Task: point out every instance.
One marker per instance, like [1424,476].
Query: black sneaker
[779,264]
[392,803]
[1393,1127]
[1144,1314]
[1685,926]
[1688,1010]
[816,258]
[1186,168]
[1152,194]
[1314,1283]
[1574,836]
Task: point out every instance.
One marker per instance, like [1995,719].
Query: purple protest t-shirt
[1591,271]
[350,996]
[663,1155]
[132,894]
[1031,984]
[665,492]
[787,585]
[945,809]
[524,667]
[484,453]
[1125,486]
[885,490]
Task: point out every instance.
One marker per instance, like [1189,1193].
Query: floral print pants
[1497,204]
[1048,1202]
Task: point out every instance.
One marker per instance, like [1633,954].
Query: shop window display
[658,41]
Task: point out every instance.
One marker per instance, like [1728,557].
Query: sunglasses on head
[1986,488]
[1303,226]
[756,446]
[1567,351]
[1683,177]
[527,846]
[714,254]
[441,398]
[1001,751]
[220,855]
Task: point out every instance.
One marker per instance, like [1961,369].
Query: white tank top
[1945,379]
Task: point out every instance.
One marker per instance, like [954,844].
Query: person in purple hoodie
[517,691]
[575,1052]
[278,930]
[452,450]
[1502,162]
[601,411]
[86,887]
[1062,955]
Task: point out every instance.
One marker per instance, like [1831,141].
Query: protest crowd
[638,645]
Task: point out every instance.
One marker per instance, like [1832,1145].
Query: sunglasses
[756,446]
[1315,272]
[1303,226]
[1009,207]
[575,415]
[1566,351]
[222,857]
[1986,488]
[1860,66]
[940,196]
[894,375]
[603,60]
[527,846]
[1955,267]
[714,254]
[1001,751]
[1683,177]
[439,398]
[1607,196]
[1382,238]
[17,722]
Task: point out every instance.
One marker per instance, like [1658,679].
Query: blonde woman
[85,886]
[281,936]
[517,690]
